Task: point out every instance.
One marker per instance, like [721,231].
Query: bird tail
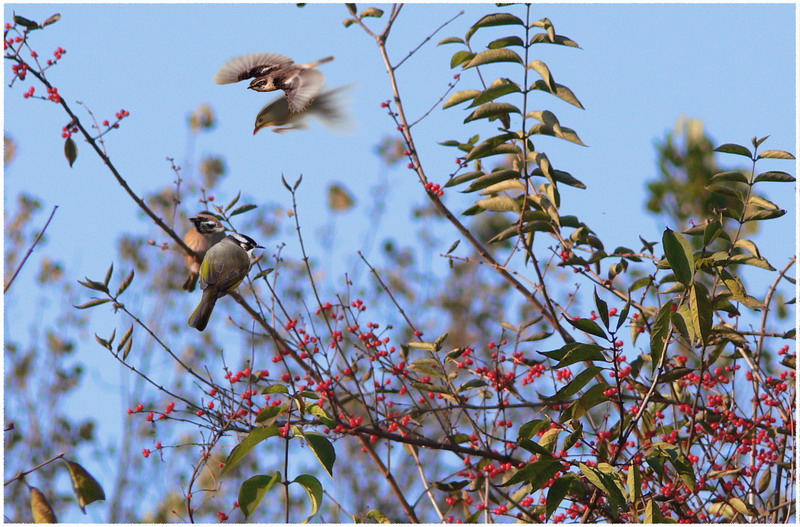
[319,62]
[201,315]
[331,108]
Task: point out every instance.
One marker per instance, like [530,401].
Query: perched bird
[327,107]
[206,232]
[270,72]
[223,269]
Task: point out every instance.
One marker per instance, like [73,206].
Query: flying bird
[328,107]
[270,71]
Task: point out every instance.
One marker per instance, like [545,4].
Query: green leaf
[498,88]
[602,308]
[85,487]
[505,42]
[634,482]
[230,205]
[499,204]
[549,439]
[460,57]
[652,513]
[469,176]
[731,148]
[322,415]
[52,20]
[541,68]
[242,209]
[544,38]
[492,178]
[496,19]
[372,12]
[491,56]
[604,483]
[486,147]
[28,24]
[451,40]
[702,314]
[492,110]
[680,256]
[589,326]
[556,494]
[377,516]
[314,489]
[70,151]
[590,398]
[536,473]
[531,428]
[734,176]
[322,448]
[660,334]
[775,154]
[781,177]
[575,385]
[253,490]
[459,97]
[559,90]
[266,416]
[242,449]
[92,303]
[125,283]
[575,352]
[40,508]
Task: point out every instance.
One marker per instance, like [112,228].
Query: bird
[271,71]
[327,107]
[205,232]
[225,266]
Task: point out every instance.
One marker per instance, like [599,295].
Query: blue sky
[640,68]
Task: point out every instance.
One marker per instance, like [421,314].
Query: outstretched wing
[248,66]
[303,87]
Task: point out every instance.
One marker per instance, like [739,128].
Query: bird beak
[256,131]
[249,87]
[259,246]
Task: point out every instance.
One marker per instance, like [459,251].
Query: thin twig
[25,259]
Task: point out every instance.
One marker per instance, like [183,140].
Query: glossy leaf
[87,490]
[680,256]
[322,448]
[531,428]
[731,148]
[314,489]
[492,178]
[42,510]
[775,154]
[497,89]
[589,326]
[242,209]
[461,57]
[735,176]
[492,110]
[575,352]
[253,491]
[496,19]
[556,494]
[660,334]
[575,385]
[505,42]
[541,68]
[247,444]
[499,204]
[559,90]
[536,474]
[544,38]
[70,151]
[461,96]
[781,177]
[702,314]
[492,56]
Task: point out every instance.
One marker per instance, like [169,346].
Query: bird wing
[248,66]
[303,87]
